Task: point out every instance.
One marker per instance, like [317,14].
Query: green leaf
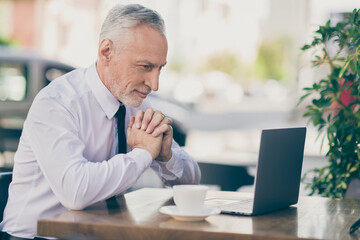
[316,87]
[356,14]
[349,137]
[328,91]
[316,41]
[335,84]
[343,69]
[306,47]
[303,97]
[309,113]
[340,59]
[332,129]
[316,119]
[308,89]
[348,166]
[316,102]
[327,25]
[353,169]
[352,65]
[322,102]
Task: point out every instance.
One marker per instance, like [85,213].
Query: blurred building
[18,21]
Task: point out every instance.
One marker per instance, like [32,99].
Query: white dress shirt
[67,158]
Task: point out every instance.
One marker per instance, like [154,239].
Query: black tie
[120,115]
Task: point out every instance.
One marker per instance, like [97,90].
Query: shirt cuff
[139,153]
[174,165]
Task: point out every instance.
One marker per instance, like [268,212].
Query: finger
[138,118]
[166,121]
[149,112]
[132,121]
[156,121]
[162,129]
[128,132]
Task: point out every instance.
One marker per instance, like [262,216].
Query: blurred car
[23,74]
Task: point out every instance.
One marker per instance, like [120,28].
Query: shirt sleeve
[180,169]
[59,151]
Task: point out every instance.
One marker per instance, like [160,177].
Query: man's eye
[146,67]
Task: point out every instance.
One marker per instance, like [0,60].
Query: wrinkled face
[135,64]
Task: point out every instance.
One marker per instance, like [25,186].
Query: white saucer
[173,212]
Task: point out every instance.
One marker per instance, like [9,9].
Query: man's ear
[106,50]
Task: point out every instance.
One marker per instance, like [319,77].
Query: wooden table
[136,216]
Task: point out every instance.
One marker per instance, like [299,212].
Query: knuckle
[157,112]
[147,118]
[149,110]
[169,120]
[148,114]
[139,115]
[151,126]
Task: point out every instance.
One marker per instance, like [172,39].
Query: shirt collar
[107,101]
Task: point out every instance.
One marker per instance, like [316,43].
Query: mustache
[146,90]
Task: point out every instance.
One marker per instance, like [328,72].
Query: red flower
[345,97]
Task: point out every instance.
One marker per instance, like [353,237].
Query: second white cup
[189,199]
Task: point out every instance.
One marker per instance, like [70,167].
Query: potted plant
[334,108]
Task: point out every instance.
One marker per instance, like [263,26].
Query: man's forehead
[144,45]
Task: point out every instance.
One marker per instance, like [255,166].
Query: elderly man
[73,150]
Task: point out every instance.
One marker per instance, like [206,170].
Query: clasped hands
[151,130]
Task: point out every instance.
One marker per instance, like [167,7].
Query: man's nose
[153,80]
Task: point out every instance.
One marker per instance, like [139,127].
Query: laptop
[277,180]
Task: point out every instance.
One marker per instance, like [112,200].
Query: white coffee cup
[189,199]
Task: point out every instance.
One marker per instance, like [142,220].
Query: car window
[13,81]
[54,72]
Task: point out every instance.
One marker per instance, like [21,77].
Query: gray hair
[122,18]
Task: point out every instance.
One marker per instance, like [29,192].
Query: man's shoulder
[69,93]
[67,87]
